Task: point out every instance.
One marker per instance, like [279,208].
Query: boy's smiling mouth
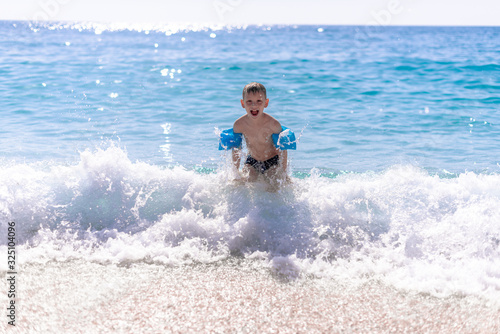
[254,112]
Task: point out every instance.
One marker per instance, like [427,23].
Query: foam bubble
[405,227]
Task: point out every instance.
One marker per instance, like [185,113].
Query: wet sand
[82,297]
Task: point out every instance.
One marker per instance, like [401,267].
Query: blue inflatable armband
[285,140]
[229,140]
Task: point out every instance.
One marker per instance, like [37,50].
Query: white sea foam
[405,227]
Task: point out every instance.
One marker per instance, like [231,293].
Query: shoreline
[84,297]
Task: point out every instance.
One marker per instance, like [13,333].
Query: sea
[124,217]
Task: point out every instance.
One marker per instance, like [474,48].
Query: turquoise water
[109,151]
[361,98]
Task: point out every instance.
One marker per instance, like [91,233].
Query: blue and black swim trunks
[262,166]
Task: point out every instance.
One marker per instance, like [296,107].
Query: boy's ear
[267,103]
[242,103]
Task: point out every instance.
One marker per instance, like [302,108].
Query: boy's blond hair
[254,87]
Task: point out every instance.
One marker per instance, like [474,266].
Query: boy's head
[254,87]
[254,99]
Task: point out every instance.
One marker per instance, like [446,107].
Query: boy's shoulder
[273,123]
[239,124]
[269,121]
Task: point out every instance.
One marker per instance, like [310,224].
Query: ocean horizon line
[210,24]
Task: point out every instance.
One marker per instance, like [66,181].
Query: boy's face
[254,104]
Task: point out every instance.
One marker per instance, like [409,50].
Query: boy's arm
[284,159]
[283,154]
[236,153]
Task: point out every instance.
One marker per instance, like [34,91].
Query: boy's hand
[240,179]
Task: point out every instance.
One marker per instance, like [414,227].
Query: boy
[257,127]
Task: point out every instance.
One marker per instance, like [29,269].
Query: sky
[319,12]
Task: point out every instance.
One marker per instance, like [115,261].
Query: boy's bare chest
[262,137]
